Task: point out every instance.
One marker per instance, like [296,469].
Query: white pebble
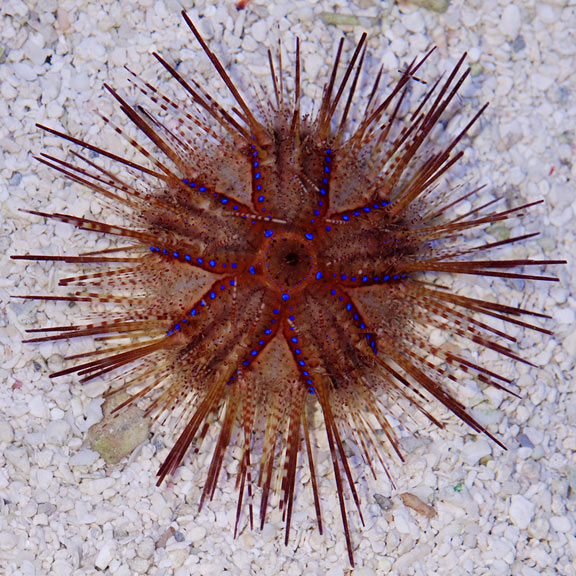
[561,523]
[7,540]
[414,22]
[96,486]
[84,458]
[90,49]
[57,432]
[37,406]
[6,432]
[521,511]
[259,30]
[511,21]
[196,534]
[105,556]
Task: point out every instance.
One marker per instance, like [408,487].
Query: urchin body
[273,263]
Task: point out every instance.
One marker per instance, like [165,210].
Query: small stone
[561,523]
[196,534]
[472,452]
[96,486]
[511,21]
[37,407]
[6,432]
[259,30]
[105,556]
[8,540]
[57,432]
[84,458]
[521,511]
[434,5]
[25,71]
[146,548]
[119,433]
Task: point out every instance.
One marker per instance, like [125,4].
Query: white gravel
[62,511]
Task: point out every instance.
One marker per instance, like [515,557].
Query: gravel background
[64,511]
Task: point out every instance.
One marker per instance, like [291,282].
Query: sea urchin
[274,262]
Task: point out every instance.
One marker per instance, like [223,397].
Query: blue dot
[348,307]
[268,331]
[309,236]
[246,363]
[328,228]
[364,278]
[177,327]
[301,362]
[268,233]
[255,164]
[285,297]
[234,265]
[254,353]
[224,200]
[152,248]
[212,295]
[257,175]
[346,217]
[187,258]
[291,318]
[366,209]
[193,312]
[261,342]
[212,263]
[326,169]
[202,188]
[294,339]
[175,254]
[199,260]
[259,187]
[386,278]
[318,275]
[164,251]
[251,269]
[260,198]
[333,292]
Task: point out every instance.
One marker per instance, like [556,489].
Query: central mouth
[289,260]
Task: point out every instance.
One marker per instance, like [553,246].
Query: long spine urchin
[272,263]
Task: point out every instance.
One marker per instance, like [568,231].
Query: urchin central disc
[289,260]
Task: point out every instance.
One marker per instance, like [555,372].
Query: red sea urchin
[274,262]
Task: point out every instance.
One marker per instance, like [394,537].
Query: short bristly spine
[275,263]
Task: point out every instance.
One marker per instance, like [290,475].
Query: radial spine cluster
[273,264]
